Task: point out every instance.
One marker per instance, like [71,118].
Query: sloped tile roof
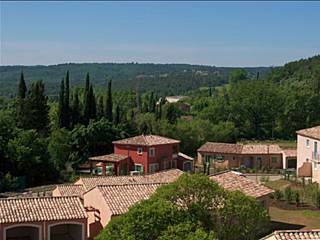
[71,189]
[230,148]
[165,176]
[120,197]
[294,235]
[147,140]
[234,181]
[313,132]
[18,210]
[221,147]
[290,152]
[261,149]
[109,158]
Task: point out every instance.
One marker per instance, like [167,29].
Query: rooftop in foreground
[120,197]
[21,210]
[165,176]
[234,181]
[294,235]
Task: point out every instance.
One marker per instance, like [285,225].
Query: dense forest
[42,137]
[168,79]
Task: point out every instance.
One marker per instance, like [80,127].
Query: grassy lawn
[278,184]
[294,219]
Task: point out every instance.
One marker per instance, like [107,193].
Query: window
[153,167]
[139,150]
[166,164]
[99,170]
[274,159]
[207,158]
[138,167]
[308,143]
[151,152]
[233,158]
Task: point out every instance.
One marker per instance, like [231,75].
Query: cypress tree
[22,87]
[109,103]
[100,107]
[75,109]
[117,118]
[86,110]
[67,102]
[92,103]
[20,105]
[61,109]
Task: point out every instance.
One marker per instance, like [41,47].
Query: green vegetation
[163,79]
[306,219]
[52,134]
[191,208]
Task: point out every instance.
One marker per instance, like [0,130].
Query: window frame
[139,150]
[153,150]
[151,165]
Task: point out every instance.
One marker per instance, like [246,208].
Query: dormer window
[139,150]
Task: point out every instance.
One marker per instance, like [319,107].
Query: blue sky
[211,33]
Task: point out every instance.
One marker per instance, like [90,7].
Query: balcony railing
[315,156]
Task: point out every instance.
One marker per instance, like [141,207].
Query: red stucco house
[140,155]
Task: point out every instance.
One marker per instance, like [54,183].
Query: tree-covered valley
[46,126]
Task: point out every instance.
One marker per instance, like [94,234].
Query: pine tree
[210,91]
[109,103]
[22,87]
[67,102]
[61,109]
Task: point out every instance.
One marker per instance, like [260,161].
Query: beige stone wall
[93,198]
[304,152]
[43,227]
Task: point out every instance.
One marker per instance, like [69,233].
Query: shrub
[278,195]
[288,194]
[316,198]
[297,198]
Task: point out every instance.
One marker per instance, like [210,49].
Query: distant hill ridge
[161,78]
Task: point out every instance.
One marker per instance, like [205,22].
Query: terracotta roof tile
[290,152]
[221,147]
[71,189]
[230,148]
[294,235]
[109,158]
[147,140]
[120,197]
[234,181]
[16,210]
[166,176]
[313,132]
[261,149]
